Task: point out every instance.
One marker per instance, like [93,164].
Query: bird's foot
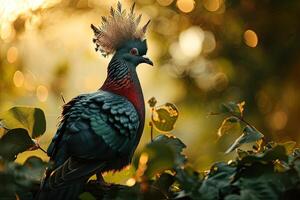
[100,183]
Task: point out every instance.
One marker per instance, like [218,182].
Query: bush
[267,171]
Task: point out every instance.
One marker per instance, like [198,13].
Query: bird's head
[119,35]
[134,52]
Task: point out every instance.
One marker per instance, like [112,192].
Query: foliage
[21,125]
[163,117]
[267,171]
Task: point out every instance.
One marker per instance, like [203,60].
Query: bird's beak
[147,60]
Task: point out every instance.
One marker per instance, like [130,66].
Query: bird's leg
[99,177]
[100,180]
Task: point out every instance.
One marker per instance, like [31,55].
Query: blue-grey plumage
[97,133]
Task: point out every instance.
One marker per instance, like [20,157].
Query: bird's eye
[134,51]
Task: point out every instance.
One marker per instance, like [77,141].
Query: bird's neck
[123,80]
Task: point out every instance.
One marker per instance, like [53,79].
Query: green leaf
[86,196]
[175,144]
[156,158]
[268,155]
[165,152]
[228,124]
[36,168]
[29,118]
[16,179]
[250,134]
[289,146]
[152,102]
[164,117]
[218,181]
[241,153]
[261,182]
[189,181]
[14,142]
[164,182]
[234,108]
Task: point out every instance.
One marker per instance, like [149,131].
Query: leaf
[165,152]
[175,144]
[297,166]
[14,142]
[29,118]
[16,179]
[269,155]
[154,159]
[86,196]
[280,166]
[164,182]
[152,102]
[164,117]
[242,154]
[261,182]
[250,134]
[36,168]
[241,107]
[289,146]
[234,108]
[228,124]
[189,181]
[218,181]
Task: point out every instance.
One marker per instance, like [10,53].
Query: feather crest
[116,29]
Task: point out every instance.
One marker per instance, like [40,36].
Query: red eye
[134,51]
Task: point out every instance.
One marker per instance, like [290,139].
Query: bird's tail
[70,192]
[67,181]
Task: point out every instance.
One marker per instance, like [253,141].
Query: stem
[151,125]
[62,97]
[151,131]
[42,150]
[243,120]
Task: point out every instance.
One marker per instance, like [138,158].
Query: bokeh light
[130,182]
[191,41]
[212,5]
[12,54]
[186,6]
[42,93]
[165,2]
[250,38]
[18,79]
[278,120]
[209,42]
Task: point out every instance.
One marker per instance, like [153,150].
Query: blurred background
[206,52]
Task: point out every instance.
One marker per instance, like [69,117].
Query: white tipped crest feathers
[116,29]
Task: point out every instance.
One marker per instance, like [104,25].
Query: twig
[151,125]
[242,119]
[151,131]
[62,97]
[42,150]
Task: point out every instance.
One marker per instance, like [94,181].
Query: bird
[99,131]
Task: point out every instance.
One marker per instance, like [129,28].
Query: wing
[52,149]
[73,170]
[94,126]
